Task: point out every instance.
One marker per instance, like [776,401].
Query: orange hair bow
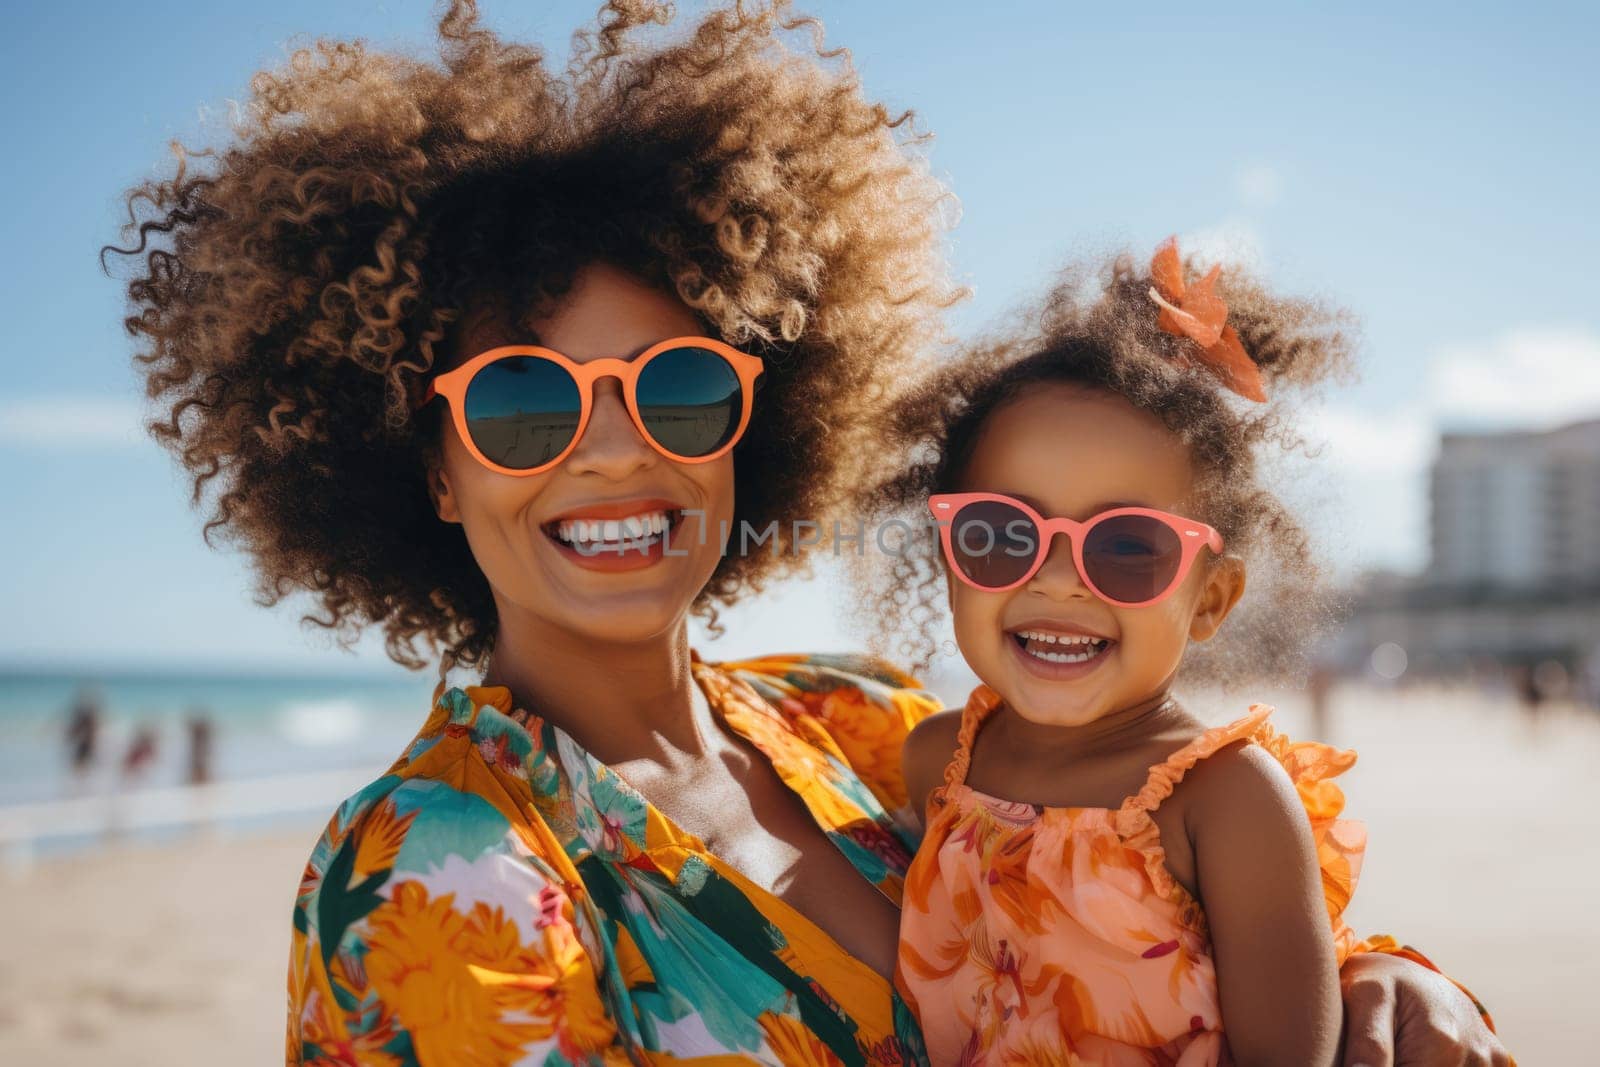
[1198,313]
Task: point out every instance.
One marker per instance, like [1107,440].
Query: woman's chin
[632,624]
[625,607]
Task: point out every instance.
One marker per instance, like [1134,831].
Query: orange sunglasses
[521,409]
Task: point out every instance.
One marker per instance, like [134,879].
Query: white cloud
[1258,185]
[1533,377]
[1364,493]
[1234,240]
[1371,441]
[65,423]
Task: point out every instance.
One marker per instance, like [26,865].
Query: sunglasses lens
[993,544]
[690,399]
[522,411]
[1132,558]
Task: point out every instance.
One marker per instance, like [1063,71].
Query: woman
[497,359]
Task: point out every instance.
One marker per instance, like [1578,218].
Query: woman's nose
[612,445]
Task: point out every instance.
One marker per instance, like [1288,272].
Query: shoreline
[109,819]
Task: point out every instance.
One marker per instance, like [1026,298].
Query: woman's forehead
[605,312]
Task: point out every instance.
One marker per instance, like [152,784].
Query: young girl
[1103,878]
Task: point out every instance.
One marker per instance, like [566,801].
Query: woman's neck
[619,701]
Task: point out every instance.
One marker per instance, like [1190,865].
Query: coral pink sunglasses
[1132,557]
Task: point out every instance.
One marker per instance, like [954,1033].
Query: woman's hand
[1399,1013]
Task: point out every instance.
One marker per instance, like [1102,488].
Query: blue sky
[1431,167]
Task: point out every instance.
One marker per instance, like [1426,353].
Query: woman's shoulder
[865,705]
[399,831]
[795,673]
[443,817]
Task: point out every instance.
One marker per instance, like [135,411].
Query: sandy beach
[1483,851]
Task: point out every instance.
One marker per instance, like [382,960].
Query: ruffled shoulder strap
[1165,776]
[980,705]
[1341,843]
[1139,831]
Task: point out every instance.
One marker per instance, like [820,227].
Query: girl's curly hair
[1098,329]
[294,288]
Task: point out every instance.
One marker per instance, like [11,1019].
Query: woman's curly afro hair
[295,286]
[1098,329]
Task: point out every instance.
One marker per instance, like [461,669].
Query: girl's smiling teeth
[1060,648]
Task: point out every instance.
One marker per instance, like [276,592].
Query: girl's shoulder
[1213,758]
[929,749]
[935,737]
[1247,781]
[1248,759]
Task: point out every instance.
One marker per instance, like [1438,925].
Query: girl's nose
[1058,577]
[612,445]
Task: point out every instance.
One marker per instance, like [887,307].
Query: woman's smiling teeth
[631,531]
[1060,648]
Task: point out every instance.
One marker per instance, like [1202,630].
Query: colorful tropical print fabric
[500,897]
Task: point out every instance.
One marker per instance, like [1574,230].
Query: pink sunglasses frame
[1192,535]
[453,387]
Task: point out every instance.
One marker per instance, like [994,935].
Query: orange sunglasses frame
[1193,535]
[453,387]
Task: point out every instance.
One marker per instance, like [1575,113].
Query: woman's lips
[613,536]
[630,556]
[615,509]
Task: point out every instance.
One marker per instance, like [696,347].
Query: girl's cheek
[1159,639]
[973,615]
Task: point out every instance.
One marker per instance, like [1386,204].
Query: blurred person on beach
[471,348]
[1529,697]
[140,755]
[83,735]
[199,729]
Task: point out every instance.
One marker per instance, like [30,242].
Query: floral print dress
[1036,934]
[501,897]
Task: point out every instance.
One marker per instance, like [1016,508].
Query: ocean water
[262,726]
[284,748]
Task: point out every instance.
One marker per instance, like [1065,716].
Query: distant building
[1513,576]
[1516,510]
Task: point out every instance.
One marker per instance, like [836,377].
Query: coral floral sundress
[1056,935]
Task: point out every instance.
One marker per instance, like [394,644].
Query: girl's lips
[1058,672]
